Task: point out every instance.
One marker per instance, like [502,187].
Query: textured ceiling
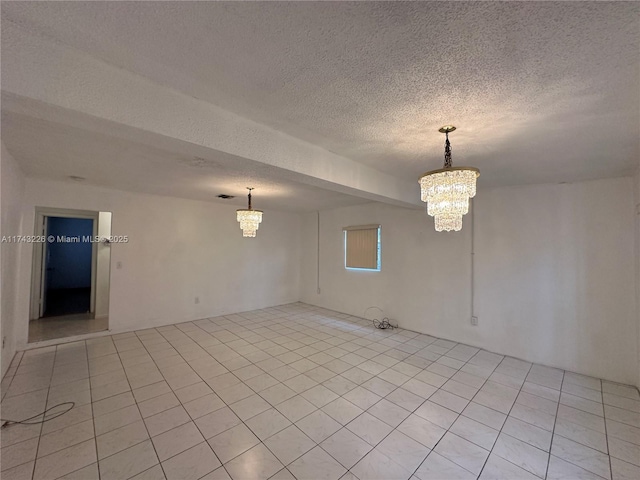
[540,91]
[52,150]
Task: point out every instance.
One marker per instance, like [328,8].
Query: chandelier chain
[447,152]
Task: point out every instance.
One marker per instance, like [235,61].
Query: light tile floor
[301,392]
[50,328]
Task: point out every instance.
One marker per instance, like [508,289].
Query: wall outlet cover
[474,321]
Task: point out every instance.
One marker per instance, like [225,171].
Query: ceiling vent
[226,197]
[199,162]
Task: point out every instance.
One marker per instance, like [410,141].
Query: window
[362,247]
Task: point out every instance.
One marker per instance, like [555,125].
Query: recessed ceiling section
[60,152]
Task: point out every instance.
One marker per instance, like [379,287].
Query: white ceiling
[540,91]
[56,151]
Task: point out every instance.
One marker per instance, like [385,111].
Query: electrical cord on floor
[32,421]
[385,323]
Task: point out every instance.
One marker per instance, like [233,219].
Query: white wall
[11,193]
[178,249]
[424,277]
[556,275]
[555,278]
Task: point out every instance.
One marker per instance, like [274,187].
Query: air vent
[199,162]
[222,195]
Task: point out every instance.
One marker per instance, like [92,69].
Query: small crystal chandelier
[447,191]
[249,218]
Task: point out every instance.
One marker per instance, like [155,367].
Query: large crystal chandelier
[447,191]
[249,219]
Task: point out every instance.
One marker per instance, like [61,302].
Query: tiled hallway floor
[300,392]
[50,328]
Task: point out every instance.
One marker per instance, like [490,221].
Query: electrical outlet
[197,300]
[474,321]
[318,290]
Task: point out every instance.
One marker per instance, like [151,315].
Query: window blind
[361,246]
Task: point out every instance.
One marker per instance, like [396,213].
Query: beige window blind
[361,247]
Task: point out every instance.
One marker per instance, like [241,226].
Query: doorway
[70,277]
[68,264]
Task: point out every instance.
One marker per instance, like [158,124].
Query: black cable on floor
[28,421]
[385,323]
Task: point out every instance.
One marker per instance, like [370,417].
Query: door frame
[40,250]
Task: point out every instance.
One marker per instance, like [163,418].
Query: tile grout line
[6,390]
[555,419]
[606,436]
[93,417]
[53,366]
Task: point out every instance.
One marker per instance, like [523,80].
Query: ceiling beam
[75,87]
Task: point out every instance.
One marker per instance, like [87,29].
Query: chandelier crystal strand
[249,219]
[447,191]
